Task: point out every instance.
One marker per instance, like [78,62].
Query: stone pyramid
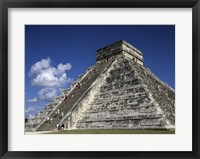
[118,92]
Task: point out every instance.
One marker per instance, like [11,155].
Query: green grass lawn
[115,132]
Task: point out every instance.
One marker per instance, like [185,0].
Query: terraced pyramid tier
[118,92]
[128,98]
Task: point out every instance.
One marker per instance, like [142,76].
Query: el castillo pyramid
[118,92]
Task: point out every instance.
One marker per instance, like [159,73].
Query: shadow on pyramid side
[118,92]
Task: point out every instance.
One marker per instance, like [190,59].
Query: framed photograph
[99,79]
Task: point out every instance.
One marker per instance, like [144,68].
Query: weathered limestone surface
[118,92]
[161,92]
[123,101]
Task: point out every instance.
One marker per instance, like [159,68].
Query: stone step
[74,96]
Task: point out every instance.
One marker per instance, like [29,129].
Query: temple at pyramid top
[117,92]
[120,47]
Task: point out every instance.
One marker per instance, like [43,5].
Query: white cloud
[47,93]
[29,109]
[61,89]
[30,116]
[32,100]
[70,80]
[42,73]
[62,68]
[39,66]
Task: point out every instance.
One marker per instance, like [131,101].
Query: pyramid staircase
[73,96]
[118,92]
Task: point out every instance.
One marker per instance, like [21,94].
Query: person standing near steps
[58,111]
[62,114]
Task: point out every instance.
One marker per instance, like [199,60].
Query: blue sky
[56,54]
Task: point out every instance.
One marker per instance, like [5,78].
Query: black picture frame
[6,4]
